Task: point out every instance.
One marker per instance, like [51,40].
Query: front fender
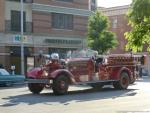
[65,72]
[34,73]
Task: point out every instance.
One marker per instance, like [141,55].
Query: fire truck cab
[118,70]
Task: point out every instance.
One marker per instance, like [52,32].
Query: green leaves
[139,19]
[98,37]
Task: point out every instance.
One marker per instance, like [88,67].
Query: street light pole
[22,44]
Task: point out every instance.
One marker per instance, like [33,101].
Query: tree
[139,19]
[99,38]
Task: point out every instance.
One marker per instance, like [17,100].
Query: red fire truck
[118,70]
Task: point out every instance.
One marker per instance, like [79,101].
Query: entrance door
[30,63]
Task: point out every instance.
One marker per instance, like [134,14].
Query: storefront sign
[63,41]
[19,39]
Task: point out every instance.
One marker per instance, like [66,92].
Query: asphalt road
[136,99]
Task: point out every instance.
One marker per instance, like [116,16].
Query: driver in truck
[54,63]
[94,58]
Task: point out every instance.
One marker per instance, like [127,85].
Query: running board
[40,81]
[97,81]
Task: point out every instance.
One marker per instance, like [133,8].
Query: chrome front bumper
[41,81]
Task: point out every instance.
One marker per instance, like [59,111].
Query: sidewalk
[143,79]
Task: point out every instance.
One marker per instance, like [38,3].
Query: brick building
[118,25]
[49,26]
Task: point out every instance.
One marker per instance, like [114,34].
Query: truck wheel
[60,85]
[123,83]
[132,82]
[97,86]
[116,85]
[35,88]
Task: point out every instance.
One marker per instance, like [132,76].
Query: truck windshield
[84,53]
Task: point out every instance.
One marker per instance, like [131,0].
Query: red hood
[33,73]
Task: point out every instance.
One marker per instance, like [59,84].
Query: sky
[113,3]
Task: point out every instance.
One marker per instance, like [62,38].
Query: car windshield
[4,72]
[84,53]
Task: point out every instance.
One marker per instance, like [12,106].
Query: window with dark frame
[65,0]
[16,21]
[114,22]
[17,0]
[62,21]
[93,5]
[26,1]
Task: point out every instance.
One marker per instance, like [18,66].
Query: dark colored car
[7,79]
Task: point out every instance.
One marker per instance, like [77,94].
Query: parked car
[7,79]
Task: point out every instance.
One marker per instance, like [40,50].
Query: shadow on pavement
[72,96]
[3,87]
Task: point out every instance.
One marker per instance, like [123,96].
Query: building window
[16,21]
[17,0]
[93,5]
[66,0]
[26,1]
[114,23]
[62,21]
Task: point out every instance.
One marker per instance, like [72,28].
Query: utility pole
[22,44]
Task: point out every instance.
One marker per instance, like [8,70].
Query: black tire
[97,86]
[123,83]
[35,88]
[132,81]
[116,85]
[60,85]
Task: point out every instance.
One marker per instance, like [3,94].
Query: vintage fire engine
[118,70]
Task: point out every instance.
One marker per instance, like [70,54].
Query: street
[18,99]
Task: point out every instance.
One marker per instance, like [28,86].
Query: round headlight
[45,73]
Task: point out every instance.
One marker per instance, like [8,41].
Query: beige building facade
[49,26]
